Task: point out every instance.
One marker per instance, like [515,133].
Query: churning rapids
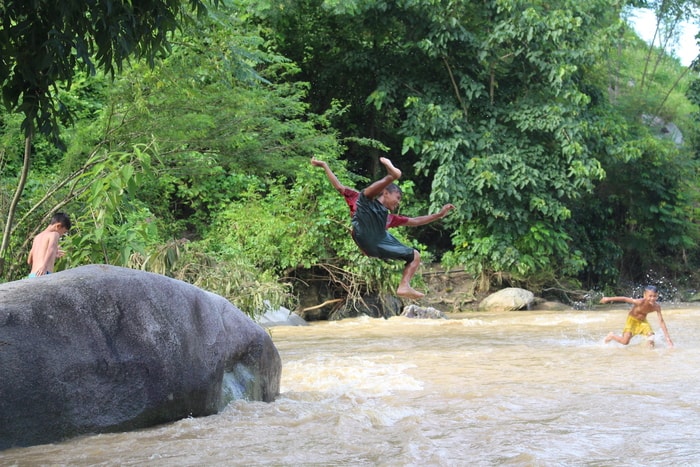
[516,389]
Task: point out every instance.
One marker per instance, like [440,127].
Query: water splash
[668,291]
[588,300]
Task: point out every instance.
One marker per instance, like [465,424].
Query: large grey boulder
[508,299]
[102,349]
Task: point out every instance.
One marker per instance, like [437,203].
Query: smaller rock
[374,306]
[415,311]
[281,317]
[508,299]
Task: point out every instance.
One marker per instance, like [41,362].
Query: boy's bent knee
[416,258]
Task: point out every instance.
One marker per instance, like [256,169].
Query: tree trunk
[15,200]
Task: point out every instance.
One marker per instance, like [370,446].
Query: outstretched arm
[662,324]
[340,188]
[427,219]
[633,301]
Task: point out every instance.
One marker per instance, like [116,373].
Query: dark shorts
[388,248]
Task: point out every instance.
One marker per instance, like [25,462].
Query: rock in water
[101,349]
[508,299]
[415,311]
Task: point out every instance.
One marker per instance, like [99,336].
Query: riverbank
[454,291]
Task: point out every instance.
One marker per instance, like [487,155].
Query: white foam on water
[348,375]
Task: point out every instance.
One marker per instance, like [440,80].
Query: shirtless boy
[369,224]
[637,317]
[44,252]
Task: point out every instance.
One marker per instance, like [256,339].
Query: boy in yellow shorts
[637,317]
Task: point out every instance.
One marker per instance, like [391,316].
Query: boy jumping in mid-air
[369,224]
[45,246]
[637,317]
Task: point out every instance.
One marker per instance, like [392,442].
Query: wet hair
[651,288]
[393,188]
[62,218]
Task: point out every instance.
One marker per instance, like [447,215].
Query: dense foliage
[43,42]
[546,123]
[519,112]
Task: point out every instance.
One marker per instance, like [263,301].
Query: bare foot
[393,171]
[609,337]
[408,292]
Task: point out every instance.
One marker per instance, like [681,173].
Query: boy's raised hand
[446,209]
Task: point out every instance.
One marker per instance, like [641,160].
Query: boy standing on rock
[44,252]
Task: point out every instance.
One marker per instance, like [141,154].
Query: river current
[514,389]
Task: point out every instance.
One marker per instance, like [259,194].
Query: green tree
[44,42]
[670,16]
[169,149]
[350,52]
[491,99]
[225,119]
[642,217]
[503,109]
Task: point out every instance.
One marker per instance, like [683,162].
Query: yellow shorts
[635,326]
